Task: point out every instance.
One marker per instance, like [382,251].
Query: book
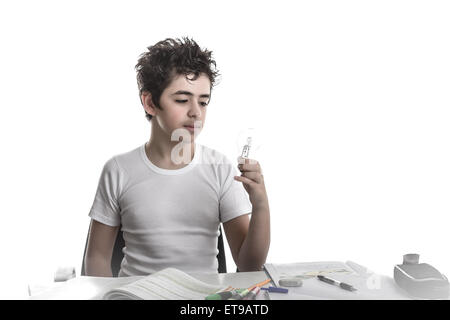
[369,285]
[167,284]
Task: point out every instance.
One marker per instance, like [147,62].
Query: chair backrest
[117,255]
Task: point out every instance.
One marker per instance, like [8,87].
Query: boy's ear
[147,103]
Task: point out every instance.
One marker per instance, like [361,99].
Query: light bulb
[248,142]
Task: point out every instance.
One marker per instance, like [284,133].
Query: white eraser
[290,282]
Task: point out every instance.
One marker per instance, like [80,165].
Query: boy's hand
[253,181]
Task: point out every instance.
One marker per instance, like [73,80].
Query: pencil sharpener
[420,280]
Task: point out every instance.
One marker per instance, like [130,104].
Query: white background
[352,98]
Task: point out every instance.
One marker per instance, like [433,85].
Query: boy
[170,195]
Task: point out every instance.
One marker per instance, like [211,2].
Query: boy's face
[183,103]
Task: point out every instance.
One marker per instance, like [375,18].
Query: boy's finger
[254,176]
[249,167]
[244,180]
[242,160]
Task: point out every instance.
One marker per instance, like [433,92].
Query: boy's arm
[249,241]
[99,249]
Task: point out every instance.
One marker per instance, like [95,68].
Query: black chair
[117,255]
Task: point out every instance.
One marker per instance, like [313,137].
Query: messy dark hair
[168,58]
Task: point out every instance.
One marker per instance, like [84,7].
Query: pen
[343,285]
[239,295]
[260,284]
[252,294]
[224,295]
[236,294]
[276,289]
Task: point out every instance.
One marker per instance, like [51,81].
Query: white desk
[93,288]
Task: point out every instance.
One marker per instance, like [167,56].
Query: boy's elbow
[251,267]
[97,267]
[252,260]
[249,264]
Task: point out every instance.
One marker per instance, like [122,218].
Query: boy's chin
[190,139]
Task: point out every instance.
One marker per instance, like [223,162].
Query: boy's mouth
[198,126]
[190,128]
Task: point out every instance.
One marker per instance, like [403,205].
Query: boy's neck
[159,154]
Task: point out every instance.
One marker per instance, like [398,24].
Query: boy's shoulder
[212,156]
[130,155]
[125,160]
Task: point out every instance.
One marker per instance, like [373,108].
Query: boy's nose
[195,110]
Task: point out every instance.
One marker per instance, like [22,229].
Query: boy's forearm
[254,249]
[98,267]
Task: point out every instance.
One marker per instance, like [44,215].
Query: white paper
[168,284]
[369,285]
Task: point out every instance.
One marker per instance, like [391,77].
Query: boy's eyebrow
[190,94]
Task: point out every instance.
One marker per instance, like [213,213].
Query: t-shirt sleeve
[234,200]
[105,208]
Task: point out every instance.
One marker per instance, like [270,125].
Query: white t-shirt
[169,218]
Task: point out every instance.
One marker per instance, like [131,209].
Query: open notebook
[167,284]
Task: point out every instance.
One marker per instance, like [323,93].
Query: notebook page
[168,284]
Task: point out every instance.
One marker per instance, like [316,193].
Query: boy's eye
[204,104]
